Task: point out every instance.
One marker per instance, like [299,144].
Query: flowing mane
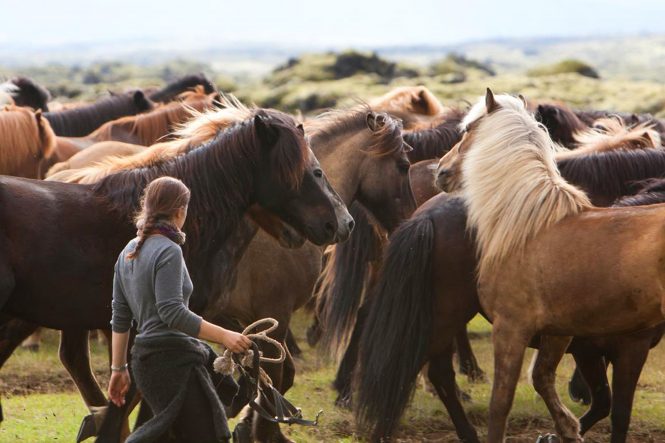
[435,141]
[411,99]
[188,82]
[23,134]
[203,127]
[611,133]
[232,153]
[338,123]
[149,128]
[511,182]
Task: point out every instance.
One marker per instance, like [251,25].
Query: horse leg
[75,356]
[592,368]
[468,365]
[509,347]
[551,351]
[12,332]
[344,377]
[263,430]
[314,332]
[442,375]
[292,344]
[627,366]
[578,390]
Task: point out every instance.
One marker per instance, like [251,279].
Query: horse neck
[340,158]
[82,121]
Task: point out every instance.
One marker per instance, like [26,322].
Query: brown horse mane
[149,128]
[332,124]
[23,133]
[232,154]
[412,99]
[437,140]
[652,191]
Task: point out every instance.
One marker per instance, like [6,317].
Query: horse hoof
[548,438]
[87,429]
[577,395]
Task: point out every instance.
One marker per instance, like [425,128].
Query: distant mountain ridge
[640,57]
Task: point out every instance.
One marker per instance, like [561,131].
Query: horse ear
[490,103]
[521,97]
[38,115]
[375,121]
[301,128]
[139,99]
[267,134]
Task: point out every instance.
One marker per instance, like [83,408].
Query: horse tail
[343,284]
[395,337]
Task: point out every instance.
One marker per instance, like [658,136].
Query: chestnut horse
[527,218]
[262,159]
[82,120]
[26,142]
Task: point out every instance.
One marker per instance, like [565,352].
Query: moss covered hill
[315,81]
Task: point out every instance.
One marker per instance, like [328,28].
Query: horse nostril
[330,229]
[352,224]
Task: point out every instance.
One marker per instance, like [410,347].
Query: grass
[43,406]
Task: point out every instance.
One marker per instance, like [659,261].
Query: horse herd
[518,236]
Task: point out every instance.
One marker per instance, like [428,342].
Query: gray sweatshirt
[153,289]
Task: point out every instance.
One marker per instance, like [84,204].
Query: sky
[314,23]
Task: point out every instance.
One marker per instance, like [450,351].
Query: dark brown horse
[187,83]
[263,159]
[25,92]
[82,120]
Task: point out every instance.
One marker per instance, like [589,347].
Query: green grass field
[41,405]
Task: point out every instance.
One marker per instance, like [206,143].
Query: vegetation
[54,410]
[567,66]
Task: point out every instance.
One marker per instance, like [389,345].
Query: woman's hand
[118,386]
[235,342]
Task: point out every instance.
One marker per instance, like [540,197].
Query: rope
[225,364]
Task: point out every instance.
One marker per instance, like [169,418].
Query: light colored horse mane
[413,99]
[23,133]
[511,182]
[204,126]
[611,133]
[7,90]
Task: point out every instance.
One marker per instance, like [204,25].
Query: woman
[151,287]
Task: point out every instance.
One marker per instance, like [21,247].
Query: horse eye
[318,173]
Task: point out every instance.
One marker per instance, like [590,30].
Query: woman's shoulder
[163,247]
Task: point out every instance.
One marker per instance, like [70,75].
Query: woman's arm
[120,381]
[235,342]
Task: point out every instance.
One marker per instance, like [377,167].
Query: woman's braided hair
[161,200]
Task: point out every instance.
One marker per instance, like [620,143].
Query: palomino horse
[364,156]
[263,159]
[82,120]
[536,235]
[26,141]
[605,175]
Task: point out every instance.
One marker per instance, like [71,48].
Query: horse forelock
[511,182]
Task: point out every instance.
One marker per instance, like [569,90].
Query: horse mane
[29,93]
[188,82]
[151,127]
[203,127]
[613,173]
[82,120]
[511,182]
[23,133]
[411,99]
[435,141]
[567,121]
[232,153]
[337,123]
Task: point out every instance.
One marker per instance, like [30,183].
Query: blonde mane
[412,99]
[511,182]
[610,134]
[203,127]
[23,134]
[7,90]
